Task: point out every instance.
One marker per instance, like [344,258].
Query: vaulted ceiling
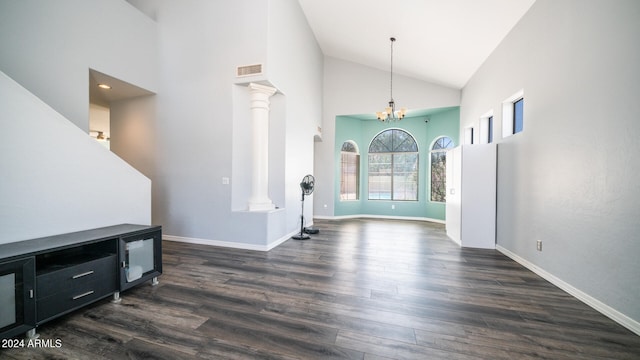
[440,41]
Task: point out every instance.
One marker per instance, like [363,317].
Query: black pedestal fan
[307,185]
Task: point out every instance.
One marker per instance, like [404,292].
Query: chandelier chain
[390,114]
[391,82]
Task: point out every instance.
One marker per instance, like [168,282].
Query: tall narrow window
[518,109]
[439,168]
[393,166]
[349,171]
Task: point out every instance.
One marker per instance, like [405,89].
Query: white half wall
[55,178]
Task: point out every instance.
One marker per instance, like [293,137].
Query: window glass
[490,130]
[393,166]
[518,112]
[439,168]
[349,171]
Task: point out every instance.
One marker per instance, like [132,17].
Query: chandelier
[390,114]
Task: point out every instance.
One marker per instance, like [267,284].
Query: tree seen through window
[439,168]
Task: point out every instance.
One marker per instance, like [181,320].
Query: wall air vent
[249,70]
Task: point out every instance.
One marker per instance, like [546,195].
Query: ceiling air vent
[249,70]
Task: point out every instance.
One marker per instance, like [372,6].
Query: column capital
[263,89]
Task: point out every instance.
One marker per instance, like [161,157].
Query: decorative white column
[259,199]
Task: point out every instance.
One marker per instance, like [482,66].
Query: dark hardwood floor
[360,289]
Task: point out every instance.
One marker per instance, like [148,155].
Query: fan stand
[311,230]
[301,235]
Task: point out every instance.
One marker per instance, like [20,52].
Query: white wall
[349,89]
[49,46]
[203,111]
[570,178]
[296,68]
[55,178]
[59,180]
[132,123]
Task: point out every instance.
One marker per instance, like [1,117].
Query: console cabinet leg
[116,298]
[154,281]
[32,334]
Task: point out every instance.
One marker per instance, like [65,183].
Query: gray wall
[202,119]
[49,46]
[570,178]
[183,138]
[55,178]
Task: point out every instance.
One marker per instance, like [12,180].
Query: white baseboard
[367,216]
[229,244]
[598,305]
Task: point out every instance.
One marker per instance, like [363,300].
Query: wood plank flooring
[360,289]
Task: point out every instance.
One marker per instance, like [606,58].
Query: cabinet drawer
[67,300]
[71,279]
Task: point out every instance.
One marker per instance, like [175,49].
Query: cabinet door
[140,258]
[17,298]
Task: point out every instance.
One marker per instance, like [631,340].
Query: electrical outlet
[539,245]
[393,207]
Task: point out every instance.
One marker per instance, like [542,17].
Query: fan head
[307,184]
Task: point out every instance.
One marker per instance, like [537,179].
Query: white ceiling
[440,41]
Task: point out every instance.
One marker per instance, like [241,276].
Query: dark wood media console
[44,278]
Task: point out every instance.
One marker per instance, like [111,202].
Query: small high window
[513,114]
[490,130]
[518,108]
[469,135]
[485,135]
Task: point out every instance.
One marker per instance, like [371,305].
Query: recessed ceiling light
[104,86]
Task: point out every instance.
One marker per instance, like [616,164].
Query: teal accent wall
[361,130]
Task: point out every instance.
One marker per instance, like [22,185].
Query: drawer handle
[83,274]
[82,295]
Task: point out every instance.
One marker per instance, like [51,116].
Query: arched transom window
[439,168]
[349,171]
[393,166]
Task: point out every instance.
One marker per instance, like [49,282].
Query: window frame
[518,116]
[509,113]
[486,131]
[469,135]
[394,157]
[442,151]
[490,129]
[356,162]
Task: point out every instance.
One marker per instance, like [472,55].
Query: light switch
[225,181]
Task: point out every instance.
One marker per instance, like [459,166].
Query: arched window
[349,171]
[393,166]
[439,168]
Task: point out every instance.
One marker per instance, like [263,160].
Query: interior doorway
[103,91]
[121,118]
